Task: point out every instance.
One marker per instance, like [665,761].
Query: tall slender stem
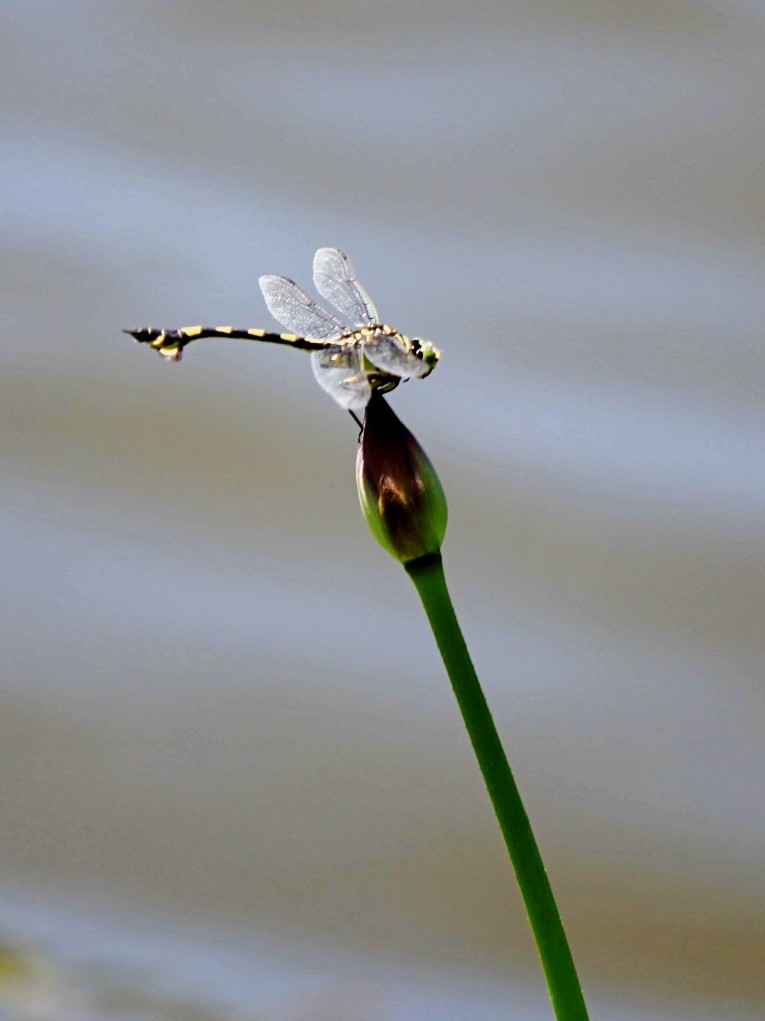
[565,990]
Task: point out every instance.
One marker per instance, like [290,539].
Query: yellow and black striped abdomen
[170,343]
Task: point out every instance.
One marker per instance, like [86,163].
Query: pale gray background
[219,706]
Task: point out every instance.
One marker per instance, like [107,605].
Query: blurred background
[235,784]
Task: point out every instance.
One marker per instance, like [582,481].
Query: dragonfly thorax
[395,355]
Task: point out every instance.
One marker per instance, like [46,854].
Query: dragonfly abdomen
[170,343]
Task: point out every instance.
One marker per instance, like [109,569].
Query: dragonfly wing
[338,371]
[297,311]
[390,355]
[335,280]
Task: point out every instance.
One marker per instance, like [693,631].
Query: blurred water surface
[217,700]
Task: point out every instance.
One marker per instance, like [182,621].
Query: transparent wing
[297,311]
[390,355]
[335,280]
[338,371]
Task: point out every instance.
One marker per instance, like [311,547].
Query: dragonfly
[353,353]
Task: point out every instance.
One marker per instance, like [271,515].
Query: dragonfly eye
[426,352]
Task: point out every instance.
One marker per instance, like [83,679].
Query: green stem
[427,573]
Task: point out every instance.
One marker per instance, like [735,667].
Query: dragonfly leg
[358,422]
[383,382]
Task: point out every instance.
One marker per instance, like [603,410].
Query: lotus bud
[400,493]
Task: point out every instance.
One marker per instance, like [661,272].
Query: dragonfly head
[427,352]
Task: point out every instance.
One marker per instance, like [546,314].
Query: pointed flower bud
[400,494]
